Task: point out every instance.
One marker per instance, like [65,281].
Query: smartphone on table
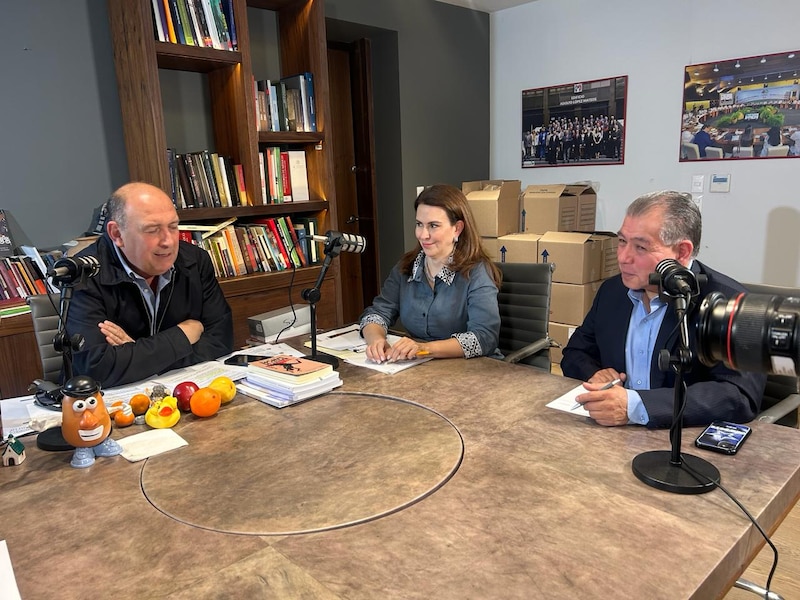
[242,360]
[723,436]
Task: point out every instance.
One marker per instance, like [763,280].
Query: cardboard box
[587,206]
[560,333]
[495,205]
[559,207]
[610,266]
[578,256]
[492,247]
[569,302]
[519,248]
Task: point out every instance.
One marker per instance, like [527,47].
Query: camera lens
[750,332]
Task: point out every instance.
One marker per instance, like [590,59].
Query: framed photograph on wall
[580,123]
[742,108]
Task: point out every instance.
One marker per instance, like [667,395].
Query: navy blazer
[712,392]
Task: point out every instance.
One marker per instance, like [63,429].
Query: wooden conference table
[484,494]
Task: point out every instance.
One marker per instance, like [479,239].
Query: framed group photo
[742,108]
[581,123]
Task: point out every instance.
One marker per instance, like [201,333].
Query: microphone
[336,241]
[675,279]
[72,268]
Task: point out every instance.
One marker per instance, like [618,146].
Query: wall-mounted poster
[742,108]
[574,124]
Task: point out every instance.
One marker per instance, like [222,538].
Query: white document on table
[149,443]
[347,344]
[8,583]
[567,402]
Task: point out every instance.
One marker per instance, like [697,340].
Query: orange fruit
[123,420]
[205,402]
[139,403]
[226,388]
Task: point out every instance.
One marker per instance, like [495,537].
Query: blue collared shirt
[151,299]
[465,309]
[639,346]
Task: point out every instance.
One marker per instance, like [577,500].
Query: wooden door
[350,81]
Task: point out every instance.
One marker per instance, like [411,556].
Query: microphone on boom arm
[70,269]
[337,241]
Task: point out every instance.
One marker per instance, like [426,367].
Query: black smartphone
[723,436]
[242,360]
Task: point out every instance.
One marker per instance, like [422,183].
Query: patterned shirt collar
[418,270]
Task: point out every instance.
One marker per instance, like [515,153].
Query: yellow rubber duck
[163,413]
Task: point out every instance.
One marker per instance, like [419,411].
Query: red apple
[183,392]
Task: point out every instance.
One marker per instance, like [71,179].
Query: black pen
[607,386]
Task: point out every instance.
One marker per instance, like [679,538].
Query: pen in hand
[607,386]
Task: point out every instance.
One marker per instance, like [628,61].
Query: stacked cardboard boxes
[558,207]
[495,206]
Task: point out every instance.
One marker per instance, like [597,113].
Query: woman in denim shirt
[444,291]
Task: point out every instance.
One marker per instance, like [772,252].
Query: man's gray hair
[682,220]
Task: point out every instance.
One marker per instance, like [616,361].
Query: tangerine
[123,420]
[139,403]
[205,402]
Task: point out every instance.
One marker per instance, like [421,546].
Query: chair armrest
[780,410]
[744,584]
[531,348]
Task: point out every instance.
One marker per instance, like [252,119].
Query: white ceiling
[487,5]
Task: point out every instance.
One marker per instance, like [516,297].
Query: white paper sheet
[567,402]
[149,443]
[8,583]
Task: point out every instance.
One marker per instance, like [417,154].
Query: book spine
[160,21]
[288,243]
[240,186]
[295,241]
[194,180]
[298,175]
[205,35]
[212,25]
[241,242]
[208,169]
[312,113]
[176,22]
[222,25]
[170,23]
[233,186]
[223,180]
[183,180]
[227,8]
[286,180]
[186,23]
[263,171]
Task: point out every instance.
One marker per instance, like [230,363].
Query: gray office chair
[44,311]
[690,151]
[524,301]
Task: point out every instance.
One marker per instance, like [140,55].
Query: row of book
[203,23]
[283,380]
[286,105]
[205,180]
[284,175]
[259,246]
[20,277]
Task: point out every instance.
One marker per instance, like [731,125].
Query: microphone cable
[716,482]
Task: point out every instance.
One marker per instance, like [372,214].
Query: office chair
[44,311]
[782,150]
[746,152]
[712,152]
[690,151]
[524,301]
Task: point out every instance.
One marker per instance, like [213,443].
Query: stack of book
[284,379]
[204,23]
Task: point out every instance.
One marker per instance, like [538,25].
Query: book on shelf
[241,189]
[305,119]
[177,23]
[312,228]
[286,182]
[159,21]
[289,369]
[286,223]
[227,10]
[186,23]
[298,175]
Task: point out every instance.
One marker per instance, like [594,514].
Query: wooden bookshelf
[138,56]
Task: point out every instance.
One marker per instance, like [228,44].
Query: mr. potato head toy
[85,421]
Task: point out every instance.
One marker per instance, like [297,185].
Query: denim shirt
[465,309]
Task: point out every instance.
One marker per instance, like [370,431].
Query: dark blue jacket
[712,392]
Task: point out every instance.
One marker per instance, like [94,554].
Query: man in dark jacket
[629,324]
[155,304]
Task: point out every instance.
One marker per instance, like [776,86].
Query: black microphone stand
[333,248]
[667,470]
[52,439]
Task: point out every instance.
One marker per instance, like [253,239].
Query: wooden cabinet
[19,356]
[138,56]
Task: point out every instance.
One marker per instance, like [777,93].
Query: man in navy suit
[629,324]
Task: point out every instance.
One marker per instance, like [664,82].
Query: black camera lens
[750,332]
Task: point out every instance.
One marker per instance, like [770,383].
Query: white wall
[751,233]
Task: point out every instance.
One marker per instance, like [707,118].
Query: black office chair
[44,312]
[524,301]
[782,392]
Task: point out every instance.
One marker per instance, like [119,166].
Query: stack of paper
[283,380]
